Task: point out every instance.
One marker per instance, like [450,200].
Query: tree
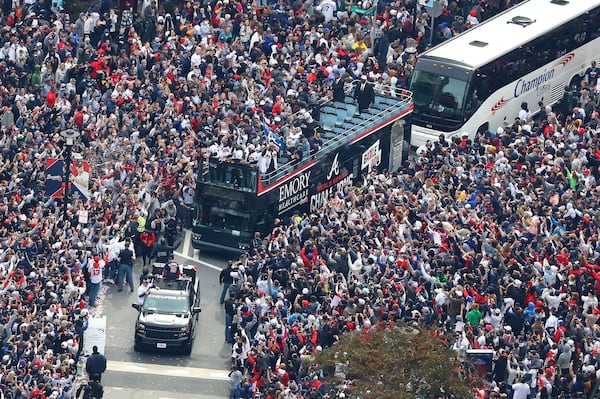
[398,363]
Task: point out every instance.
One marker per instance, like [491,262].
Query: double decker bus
[477,80]
[234,200]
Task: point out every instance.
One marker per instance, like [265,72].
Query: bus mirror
[136,306]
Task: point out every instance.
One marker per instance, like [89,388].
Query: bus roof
[497,36]
[384,111]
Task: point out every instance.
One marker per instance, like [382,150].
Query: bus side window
[472,102]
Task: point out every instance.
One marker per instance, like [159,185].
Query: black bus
[233,199]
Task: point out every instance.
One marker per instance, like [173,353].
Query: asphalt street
[203,375]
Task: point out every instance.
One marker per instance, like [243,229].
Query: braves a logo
[335,168]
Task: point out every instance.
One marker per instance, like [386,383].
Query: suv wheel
[137,346]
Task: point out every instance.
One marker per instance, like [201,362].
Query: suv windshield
[166,303]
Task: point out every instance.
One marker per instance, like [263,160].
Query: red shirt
[78,118]
[147,239]
[563,258]
[51,98]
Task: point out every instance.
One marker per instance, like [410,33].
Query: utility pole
[70,136]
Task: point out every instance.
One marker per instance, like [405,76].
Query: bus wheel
[482,130]
[575,81]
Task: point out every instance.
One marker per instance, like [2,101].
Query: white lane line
[157,369]
[132,368]
[187,239]
[179,372]
[200,262]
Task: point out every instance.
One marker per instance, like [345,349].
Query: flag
[363,12]
[273,138]
[54,178]
[80,176]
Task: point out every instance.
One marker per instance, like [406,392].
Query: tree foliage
[399,363]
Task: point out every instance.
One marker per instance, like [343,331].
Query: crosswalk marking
[134,393]
[198,261]
[187,239]
[157,369]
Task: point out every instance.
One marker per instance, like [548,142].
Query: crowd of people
[492,243]
[152,92]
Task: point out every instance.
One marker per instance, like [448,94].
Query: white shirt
[142,292]
[264,161]
[589,300]
[424,149]
[95,269]
[552,322]
[238,154]
[114,248]
[471,20]
[196,60]
[523,115]
[253,156]
[520,390]
[328,8]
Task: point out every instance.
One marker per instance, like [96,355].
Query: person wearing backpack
[91,389]
[96,390]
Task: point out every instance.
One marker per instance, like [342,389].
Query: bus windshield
[438,95]
[240,176]
[223,209]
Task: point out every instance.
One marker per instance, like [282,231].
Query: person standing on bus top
[297,155]
[337,87]
[591,75]
[304,146]
[267,161]
[316,143]
[364,95]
